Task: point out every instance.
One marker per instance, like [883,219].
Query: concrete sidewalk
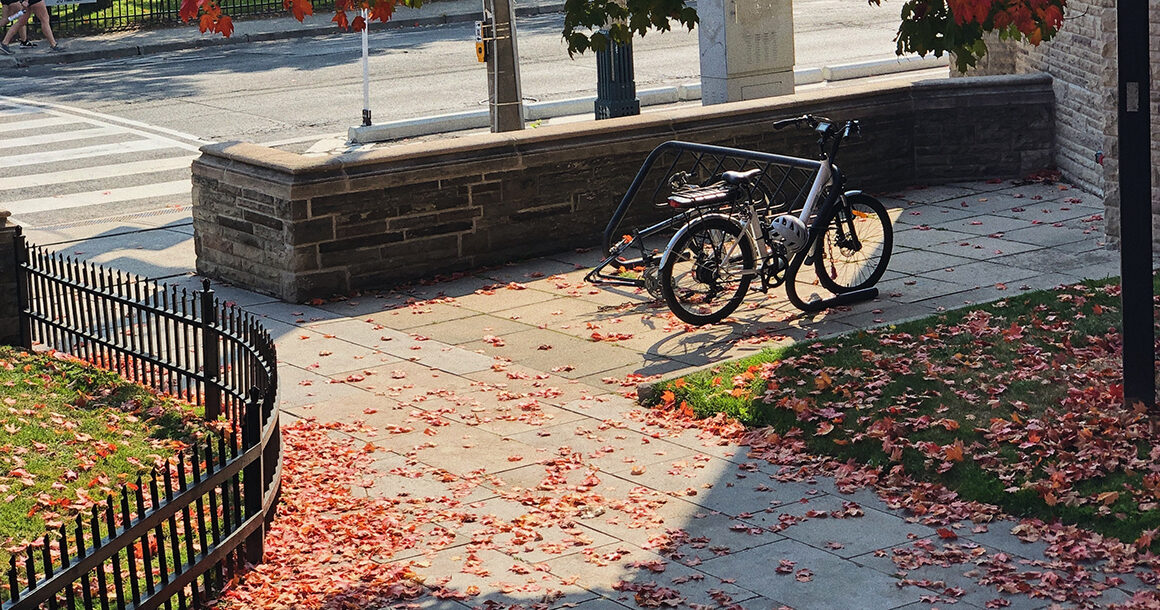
[490,402]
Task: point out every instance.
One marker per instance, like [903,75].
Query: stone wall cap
[1000,80]
[272,158]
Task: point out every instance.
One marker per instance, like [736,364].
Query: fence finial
[205,284]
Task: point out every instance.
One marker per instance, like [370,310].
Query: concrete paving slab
[596,445]
[915,288]
[832,581]
[418,314]
[1060,260]
[491,573]
[989,224]
[587,357]
[979,274]
[982,247]
[1051,236]
[613,570]
[935,194]
[918,262]
[471,328]
[824,527]
[449,445]
[924,236]
[927,215]
[326,355]
[516,382]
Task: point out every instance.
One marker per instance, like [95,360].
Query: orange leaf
[680,383]
[946,533]
[954,452]
[383,10]
[225,26]
[340,19]
[668,397]
[301,9]
[189,10]
[1108,498]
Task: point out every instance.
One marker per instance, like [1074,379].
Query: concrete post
[9,300]
[503,68]
[746,49]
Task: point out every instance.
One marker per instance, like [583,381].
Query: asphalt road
[305,88]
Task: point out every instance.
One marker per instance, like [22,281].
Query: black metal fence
[119,15]
[175,536]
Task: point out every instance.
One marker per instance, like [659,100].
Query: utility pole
[1135,161]
[505,102]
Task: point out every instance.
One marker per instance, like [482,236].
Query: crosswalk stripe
[85,152]
[61,136]
[45,204]
[35,123]
[15,110]
[90,173]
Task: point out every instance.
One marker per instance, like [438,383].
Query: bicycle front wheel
[855,248]
[708,271]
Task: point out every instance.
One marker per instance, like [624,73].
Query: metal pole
[366,71]
[1136,204]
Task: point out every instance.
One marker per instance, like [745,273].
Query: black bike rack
[784,182]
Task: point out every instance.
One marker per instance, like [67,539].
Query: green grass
[1025,388]
[72,434]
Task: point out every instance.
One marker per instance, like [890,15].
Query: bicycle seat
[748,177]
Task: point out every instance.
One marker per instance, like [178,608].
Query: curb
[207,40]
[535,111]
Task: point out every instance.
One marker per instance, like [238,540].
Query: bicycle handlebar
[833,133]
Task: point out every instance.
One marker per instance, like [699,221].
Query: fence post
[13,325]
[211,365]
[253,478]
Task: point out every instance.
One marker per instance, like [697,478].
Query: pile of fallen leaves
[1017,404]
[73,435]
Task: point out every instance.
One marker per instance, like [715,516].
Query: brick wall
[299,227]
[9,320]
[1082,63]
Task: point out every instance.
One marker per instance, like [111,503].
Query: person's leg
[18,25]
[41,12]
[10,9]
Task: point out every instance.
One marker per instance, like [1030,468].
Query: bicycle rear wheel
[853,251]
[705,277]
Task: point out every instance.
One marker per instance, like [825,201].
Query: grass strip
[1017,403]
[72,435]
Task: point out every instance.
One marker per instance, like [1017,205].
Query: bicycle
[707,267]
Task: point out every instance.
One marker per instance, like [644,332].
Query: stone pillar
[9,307]
[746,49]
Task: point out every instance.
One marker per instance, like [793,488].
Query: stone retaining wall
[300,227]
